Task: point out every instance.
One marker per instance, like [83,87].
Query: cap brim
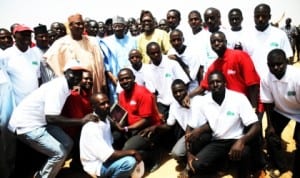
[77,68]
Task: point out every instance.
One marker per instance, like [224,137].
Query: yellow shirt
[159,36]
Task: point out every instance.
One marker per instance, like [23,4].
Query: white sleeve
[92,144]
[179,73]
[265,91]
[197,117]
[247,114]
[171,119]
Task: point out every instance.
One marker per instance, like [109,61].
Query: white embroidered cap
[74,64]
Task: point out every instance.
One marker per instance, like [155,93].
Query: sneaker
[180,166]
[275,173]
[259,174]
[154,167]
[184,174]
[37,175]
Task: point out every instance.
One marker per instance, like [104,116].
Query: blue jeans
[121,168]
[179,150]
[53,142]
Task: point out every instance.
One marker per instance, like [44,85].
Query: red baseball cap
[21,28]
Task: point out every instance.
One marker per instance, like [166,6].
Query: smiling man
[150,34]
[35,121]
[142,113]
[79,46]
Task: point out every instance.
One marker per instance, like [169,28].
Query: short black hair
[178,82]
[217,72]
[236,10]
[276,53]
[265,6]
[151,44]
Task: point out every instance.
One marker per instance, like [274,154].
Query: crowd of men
[198,94]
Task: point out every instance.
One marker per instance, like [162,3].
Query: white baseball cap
[74,64]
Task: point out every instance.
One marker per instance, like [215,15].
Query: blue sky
[32,12]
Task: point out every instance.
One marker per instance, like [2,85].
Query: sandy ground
[167,170]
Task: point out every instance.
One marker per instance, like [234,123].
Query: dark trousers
[275,148]
[147,147]
[164,110]
[213,154]
[75,153]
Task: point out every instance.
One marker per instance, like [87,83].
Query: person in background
[109,29]
[59,28]
[151,34]
[163,25]
[36,120]
[298,43]
[279,93]
[131,21]
[101,30]
[196,38]
[236,32]
[6,39]
[12,27]
[292,33]
[115,49]
[173,18]
[52,36]
[98,157]
[92,28]
[41,37]
[25,152]
[77,46]
[7,139]
[186,56]
[134,30]
[23,65]
[195,22]
[140,70]
[212,20]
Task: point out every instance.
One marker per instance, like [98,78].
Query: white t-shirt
[228,120]
[49,99]
[23,69]
[193,61]
[179,114]
[197,119]
[284,93]
[95,146]
[209,55]
[162,77]
[235,37]
[142,77]
[259,44]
